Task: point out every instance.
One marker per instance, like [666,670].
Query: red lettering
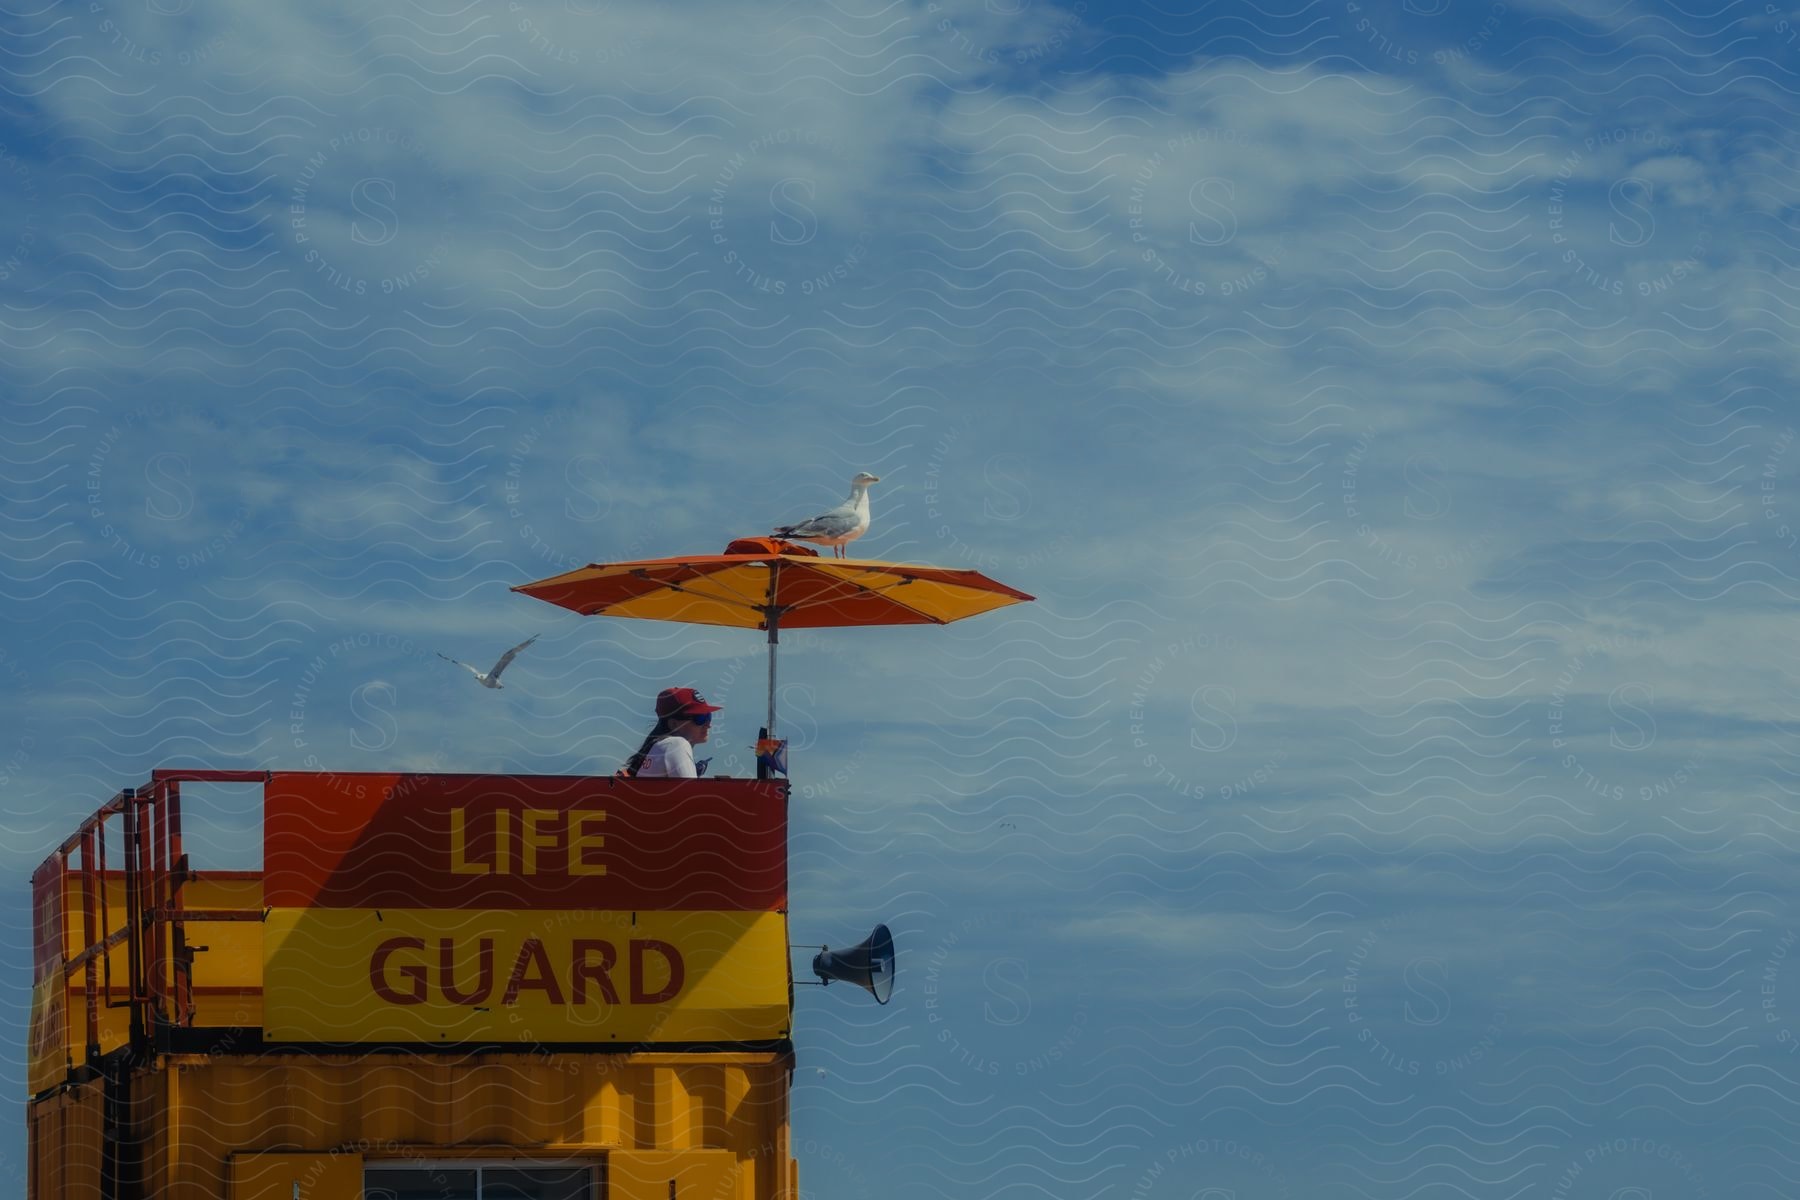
[484,984]
[532,951]
[670,955]
[591,964]
[412,971]
[581,970]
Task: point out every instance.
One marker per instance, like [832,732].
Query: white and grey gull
[491,678]
[840,526]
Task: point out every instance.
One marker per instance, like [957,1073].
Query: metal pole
[772,618]
[90,916]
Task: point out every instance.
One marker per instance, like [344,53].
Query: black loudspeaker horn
[869,966]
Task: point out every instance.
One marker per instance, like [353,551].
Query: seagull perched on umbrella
[491,678]
[842,525]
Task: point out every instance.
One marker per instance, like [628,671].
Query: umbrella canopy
[808,593]
[771,589]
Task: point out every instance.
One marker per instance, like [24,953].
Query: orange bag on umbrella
[769,545]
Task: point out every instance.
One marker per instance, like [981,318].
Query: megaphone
[869,966]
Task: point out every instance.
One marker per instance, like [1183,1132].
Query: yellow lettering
[580,840]
[459,865]
[503,840]
[535,839]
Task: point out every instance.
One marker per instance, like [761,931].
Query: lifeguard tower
[439,987]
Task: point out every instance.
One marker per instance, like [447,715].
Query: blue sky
[1389,793]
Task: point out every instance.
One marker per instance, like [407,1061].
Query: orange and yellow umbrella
[768,584]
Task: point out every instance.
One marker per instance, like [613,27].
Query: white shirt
[671,757]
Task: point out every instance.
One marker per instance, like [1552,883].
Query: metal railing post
[88,915]
[182,957]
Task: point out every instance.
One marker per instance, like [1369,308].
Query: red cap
[683,702]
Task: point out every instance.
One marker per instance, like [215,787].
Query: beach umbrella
[771,585]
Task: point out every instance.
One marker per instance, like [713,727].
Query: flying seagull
[491,679]
[842,525]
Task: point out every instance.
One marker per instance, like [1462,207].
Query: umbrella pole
[772,618]
[773,641]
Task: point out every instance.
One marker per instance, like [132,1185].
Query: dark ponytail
[636,762]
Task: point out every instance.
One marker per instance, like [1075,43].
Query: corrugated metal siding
[413,1107]
[66,1143]
[285,1176]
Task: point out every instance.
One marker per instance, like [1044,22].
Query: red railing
[159,959]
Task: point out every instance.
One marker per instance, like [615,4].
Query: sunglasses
[700,719]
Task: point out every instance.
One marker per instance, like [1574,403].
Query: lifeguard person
[683,721]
